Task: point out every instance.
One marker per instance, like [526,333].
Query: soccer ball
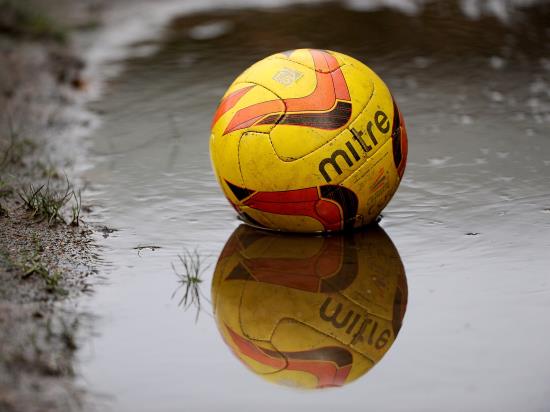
[308,141]
[309,312]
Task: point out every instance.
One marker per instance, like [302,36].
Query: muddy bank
[46,252]
[42,269]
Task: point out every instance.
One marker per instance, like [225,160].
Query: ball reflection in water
[309,312]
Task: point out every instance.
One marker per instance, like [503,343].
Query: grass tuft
[76,209]
[45,203]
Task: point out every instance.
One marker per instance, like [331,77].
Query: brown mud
[46,251]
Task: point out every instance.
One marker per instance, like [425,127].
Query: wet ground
[470,221]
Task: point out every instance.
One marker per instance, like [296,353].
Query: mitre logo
[382,124]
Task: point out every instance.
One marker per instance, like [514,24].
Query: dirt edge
[47,255]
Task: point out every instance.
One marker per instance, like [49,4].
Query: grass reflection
[189,270]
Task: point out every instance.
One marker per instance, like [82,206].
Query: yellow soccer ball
[309,312]
[308,141]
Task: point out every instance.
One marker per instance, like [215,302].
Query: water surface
[471,220]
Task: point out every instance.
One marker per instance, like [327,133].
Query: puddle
[466,221]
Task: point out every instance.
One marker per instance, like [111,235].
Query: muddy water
[471,220]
